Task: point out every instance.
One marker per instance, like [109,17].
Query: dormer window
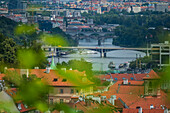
[64,80]
[55,79]
[132,78]
[25,106]
[19,106]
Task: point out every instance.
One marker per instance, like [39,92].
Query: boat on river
[124,65]
[111,65]
[87,52]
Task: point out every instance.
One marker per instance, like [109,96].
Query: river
[117,56]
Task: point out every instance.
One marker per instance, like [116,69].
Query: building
[145,94]
[64,85]
[160,53]
[161,7]
[17,6]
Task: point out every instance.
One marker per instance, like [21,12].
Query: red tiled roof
[143,110]
[1,76]
[24,108]
[80,27]
[128,89]
[11,92]
[131,95]
[130,77]
[152,75]
[155,101]
[48,78]
[81,105]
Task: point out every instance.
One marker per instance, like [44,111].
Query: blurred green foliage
[146,63]
[31,90]
[25,29]
[80,65]
[30,58]
[53,40]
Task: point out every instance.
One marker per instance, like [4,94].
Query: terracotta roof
[130,95]
[71,78]
[81,105]
[152,75]
[11,92]
[155,101]
[120,77]
[1,76]
[24,108]
[143,110]
[128,89]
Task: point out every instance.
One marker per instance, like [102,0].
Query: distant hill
[7,26]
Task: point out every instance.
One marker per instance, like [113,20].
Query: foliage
[53,40]
[134,27]
[30,90]
[66,37]
[106,83]
[30,58]
[62,107]
[146,63]
[80,65]
[8,51]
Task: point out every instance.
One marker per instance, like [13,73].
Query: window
[61,91]
[77,91]
[72,91]
[115,78]
[64,80]
[61,101]
[55,79]
[51,101]
[25,106]
[19,106]
[123,78]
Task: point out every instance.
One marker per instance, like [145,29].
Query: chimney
[48,70]
[36,67]
[112,99]
[125,81]
[88,102]
[5,69]
[27,72]
[151,106]
[166,110]
[140,110]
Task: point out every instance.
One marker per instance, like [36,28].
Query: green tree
[8,50]
[82,65]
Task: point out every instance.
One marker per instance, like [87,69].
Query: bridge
[101,50]
[89,33]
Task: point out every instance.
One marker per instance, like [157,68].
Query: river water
[101,64]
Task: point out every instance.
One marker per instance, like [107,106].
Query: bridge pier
[102,53]
[99,42]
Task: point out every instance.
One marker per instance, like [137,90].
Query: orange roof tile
[152,75]
[1,76]
[49,77]
[143,110]
[119,77]
[155,101]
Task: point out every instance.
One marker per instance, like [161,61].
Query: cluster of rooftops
[127,92]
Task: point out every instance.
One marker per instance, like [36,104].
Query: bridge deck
[108,48]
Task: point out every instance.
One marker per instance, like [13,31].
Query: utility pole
[136,61]
[140,61]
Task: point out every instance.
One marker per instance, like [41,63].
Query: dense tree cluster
[134,28]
